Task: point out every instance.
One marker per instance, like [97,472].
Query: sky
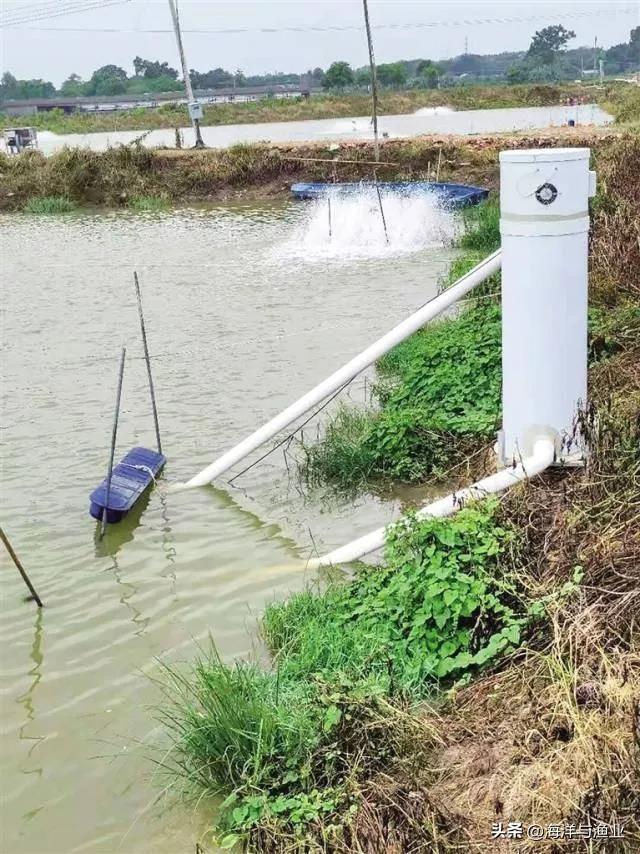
[113,31]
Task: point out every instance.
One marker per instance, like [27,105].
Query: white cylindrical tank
[544,226]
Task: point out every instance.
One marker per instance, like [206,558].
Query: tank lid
[544,155]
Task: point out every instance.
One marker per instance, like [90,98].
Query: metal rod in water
[384,222]
[146,358]
[114,434]
[20,568]
[329,208]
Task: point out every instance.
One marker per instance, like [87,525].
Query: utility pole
[195,108]
[374,82]
[595,54]
[466,45]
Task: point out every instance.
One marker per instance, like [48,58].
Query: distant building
[110,103]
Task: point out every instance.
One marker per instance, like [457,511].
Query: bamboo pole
[114,434]
[21,569]
[147,360]
[384,221]
[374,81]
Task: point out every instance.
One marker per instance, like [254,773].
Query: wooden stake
[146,357]
[21,569]
[114,434]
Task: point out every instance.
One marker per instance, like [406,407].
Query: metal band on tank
[507,217]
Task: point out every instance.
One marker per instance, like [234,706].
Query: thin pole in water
[114,433]
[438,166]
[329,208]
[374,81]
[21,568]
[147,360]
[384,221]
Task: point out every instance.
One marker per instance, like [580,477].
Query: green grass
[286,747]
[401,627]
[148,203]
[438,392]
[49,205]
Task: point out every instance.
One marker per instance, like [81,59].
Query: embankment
[120,175]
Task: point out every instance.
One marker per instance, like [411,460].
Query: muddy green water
[241,321]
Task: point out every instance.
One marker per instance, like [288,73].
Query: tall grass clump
[49,205]
[148,203]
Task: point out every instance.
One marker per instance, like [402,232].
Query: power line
[42,11]
[343,28]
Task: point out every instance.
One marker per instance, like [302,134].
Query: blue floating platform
[130,478]
[447,195]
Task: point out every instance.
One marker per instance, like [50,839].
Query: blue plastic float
[130,478]
[447,195]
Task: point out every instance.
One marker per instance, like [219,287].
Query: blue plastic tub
[449,195]
[129,480]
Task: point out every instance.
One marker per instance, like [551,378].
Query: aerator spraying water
[544,228]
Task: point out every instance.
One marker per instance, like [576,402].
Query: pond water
[246,308]
[437,121]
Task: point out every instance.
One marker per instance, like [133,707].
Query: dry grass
[552,740]
[115,176]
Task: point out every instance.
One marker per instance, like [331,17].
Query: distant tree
[338,75]
[517,73]
[549,42]
[144,85]
[239,78]
[107,80]
[8,86]
[362,76]
[152,69]
[211,79]
[73,86]
[392,74]
[428,73]
[317,75]
[13,89]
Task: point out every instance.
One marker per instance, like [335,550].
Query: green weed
[149,203]
[49,205]
[439,607]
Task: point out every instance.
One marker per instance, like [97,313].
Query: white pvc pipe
[347,372]
[542,457]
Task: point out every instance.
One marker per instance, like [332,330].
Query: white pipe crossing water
[542,457]
[347,372]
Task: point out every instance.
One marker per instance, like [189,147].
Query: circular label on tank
[546,194]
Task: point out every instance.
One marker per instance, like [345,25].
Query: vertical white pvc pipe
[544,226]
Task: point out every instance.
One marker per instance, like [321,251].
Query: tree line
[548,58]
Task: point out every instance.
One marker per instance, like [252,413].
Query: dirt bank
[119,175]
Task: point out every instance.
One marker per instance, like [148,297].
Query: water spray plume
[413,223]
